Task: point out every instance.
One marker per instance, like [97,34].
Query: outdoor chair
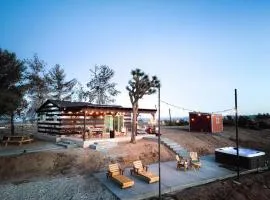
[142,171]
[181,163]
[117,175]
[195,160]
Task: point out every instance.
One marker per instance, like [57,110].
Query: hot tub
[248,158]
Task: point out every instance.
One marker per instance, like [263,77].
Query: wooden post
[84,129]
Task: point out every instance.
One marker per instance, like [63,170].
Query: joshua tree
[139,85]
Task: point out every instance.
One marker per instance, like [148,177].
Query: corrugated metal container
[205,122]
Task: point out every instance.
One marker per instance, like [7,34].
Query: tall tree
[12,85]
[101,89]
[38,90]
[79,93]
[139,86]
[59,88]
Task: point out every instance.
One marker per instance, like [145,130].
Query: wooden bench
[116,174]
[16,139]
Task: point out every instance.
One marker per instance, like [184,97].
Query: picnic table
[97,132]
[17,139]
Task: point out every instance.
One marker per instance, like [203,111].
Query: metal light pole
[159,183]
[236,132]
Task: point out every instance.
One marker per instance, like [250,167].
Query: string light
[193,110]
[182,108]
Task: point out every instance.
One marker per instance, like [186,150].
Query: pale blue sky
[201,50]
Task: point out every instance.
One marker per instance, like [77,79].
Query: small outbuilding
[205,122]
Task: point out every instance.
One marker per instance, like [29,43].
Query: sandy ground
[206,143]
[78,160]
[73,167]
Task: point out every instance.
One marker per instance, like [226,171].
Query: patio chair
[142,171]
[116,174]
[195,160]
[181,163]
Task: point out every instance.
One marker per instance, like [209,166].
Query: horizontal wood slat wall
[55,120]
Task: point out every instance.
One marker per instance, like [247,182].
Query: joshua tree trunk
[134,122]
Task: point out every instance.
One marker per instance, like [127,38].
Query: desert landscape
[74,167]
[88,84]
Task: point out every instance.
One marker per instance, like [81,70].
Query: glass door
[118,123]
[108,120]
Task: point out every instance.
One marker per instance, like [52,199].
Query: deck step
[103,146]
[67,144]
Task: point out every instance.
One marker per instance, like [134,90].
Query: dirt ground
[72,162]
[206,143]
[77,161]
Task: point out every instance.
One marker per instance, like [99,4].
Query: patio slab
[171,179]
[36,146]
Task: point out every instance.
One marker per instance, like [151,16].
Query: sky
[200,50]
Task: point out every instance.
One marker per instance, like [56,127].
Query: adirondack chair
[195,160]
[142,171]
[116,174]
[181,162]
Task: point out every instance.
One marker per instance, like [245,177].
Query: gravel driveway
[64,188]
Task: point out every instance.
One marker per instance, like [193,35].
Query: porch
[86,121]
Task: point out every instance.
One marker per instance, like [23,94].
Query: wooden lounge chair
[116,174]
[181,162]
[142,171]
[195,160]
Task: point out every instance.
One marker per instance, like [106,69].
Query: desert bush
[180,122]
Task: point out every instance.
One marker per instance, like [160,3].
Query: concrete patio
[171,179]
[36,146]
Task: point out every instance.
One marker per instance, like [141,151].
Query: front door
[118,123]
[108,120]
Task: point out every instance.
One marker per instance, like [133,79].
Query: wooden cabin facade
[67,118]
[205,122]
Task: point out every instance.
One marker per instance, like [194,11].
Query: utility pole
[236,132]
[170,116]
[159,183]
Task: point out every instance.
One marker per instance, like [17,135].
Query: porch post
[154,121]
[84,125]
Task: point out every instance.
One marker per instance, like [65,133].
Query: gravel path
[64,188]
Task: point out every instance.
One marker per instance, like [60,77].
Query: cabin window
[43,117]
[217,120]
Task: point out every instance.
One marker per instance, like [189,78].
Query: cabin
[84,119]
[205,122]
